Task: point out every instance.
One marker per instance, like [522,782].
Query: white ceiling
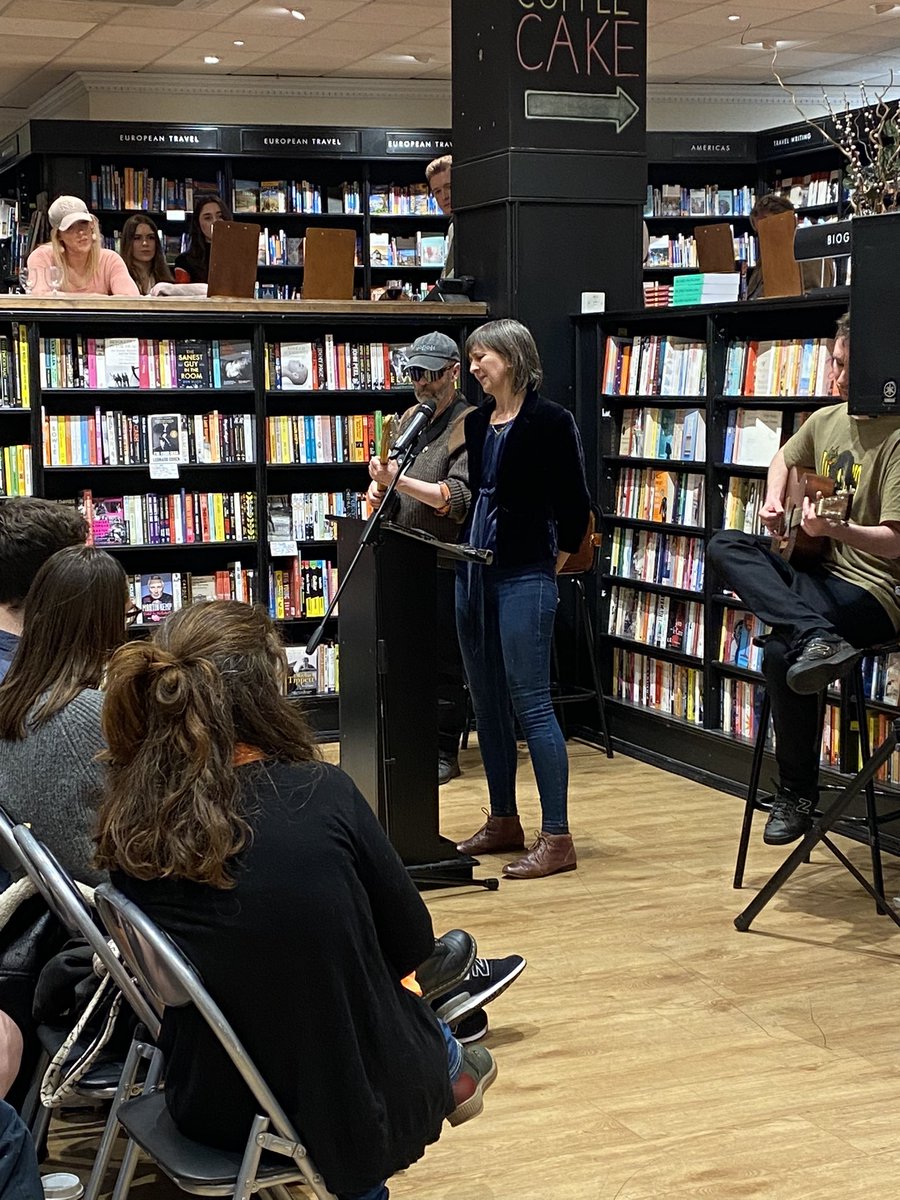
[42,42]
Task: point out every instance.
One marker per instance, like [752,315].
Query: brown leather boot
[496,836]
[551,853]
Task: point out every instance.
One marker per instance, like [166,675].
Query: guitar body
[794,544]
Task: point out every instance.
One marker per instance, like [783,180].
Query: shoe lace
[782,806]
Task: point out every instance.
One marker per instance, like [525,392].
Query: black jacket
[541,482]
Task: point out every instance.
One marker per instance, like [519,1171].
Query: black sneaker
[488,979]
[450,963]
[448,768]
[472,1029]
[790,818]
[823,657]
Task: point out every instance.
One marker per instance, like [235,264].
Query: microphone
[410,434]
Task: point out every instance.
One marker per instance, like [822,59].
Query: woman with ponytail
[271,872]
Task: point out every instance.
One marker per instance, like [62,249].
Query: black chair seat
[191,1164]
[105,1073]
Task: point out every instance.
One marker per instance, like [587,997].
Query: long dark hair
[197,253]
[213,676]
[73,619]
[157,271]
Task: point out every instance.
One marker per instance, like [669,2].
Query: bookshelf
[676,656]
[284,178]
[208,442]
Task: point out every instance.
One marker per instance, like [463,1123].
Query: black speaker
[875,316]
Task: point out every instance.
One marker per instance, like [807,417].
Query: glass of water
[26,280]
[55,278]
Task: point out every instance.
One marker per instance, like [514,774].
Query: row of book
[673,497]
[330,366]
[295,196]
[644,554]
[656,294]
[140,189]
[656,620]
[778,368]
[322,438]
[315,674]
[417,250]
[304,516]
[736,644]
[680,250]
[304,589]
[160,593]
[173,519]
[402,200]
[279,249]
[807,191]
[753,436]
[115,438]
[739,707]
[743,501]
[666,687]
[15,471]
[653,365]
[676,200]
[678,433]
[130,362]
[14,358]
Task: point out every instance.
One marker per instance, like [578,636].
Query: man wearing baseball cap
[434,495]
[74,261]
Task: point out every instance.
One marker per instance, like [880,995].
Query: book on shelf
[169,519]
[675,497]
[145,363]
[301,590]
[159,593]
[811,190]
[743,501]
[165,438]
[653,365]
[14,360]
[660,621]
[752,436]
[710,200]
[798,367]
[336,366]
[273,196]
[380,250]
[245,196]
[675,560]
[680,250]
[736,639]
[15,471]
[316,674]
[296,366]
[430,249]
[320,438]
[113,438]
[665,433]
[304,516]
[670,688]
[233,365]
[740,704]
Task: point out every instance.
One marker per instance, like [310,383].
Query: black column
[549,160]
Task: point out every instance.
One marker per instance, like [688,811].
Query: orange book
[750,369]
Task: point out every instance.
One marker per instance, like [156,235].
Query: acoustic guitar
[834,506]
[384,449]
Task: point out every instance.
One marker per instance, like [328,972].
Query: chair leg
[132,1150]
[243,1185]
[858,699]
[554,669]
[588,631]
[759,750]
[111,1129]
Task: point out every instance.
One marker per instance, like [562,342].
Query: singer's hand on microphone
[382,473]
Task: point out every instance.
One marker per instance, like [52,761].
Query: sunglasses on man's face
[418,373]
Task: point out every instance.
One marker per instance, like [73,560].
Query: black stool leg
[750,805]
[588,630]
[858,699]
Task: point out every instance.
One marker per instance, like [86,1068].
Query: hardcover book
[303,678]
[235,364]
[191,364]
[296,366]
[109,526]
[165,437]
[123,362]
[157,597]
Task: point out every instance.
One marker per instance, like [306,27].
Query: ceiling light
[237,43]
[734,17]
[765,44]
[210,59]
[297,14]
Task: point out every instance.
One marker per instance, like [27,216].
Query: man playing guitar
[822,614]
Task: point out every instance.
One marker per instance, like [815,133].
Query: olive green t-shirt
[863,453]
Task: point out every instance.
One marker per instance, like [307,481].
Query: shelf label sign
[283,140]
[705,146]
[412,142]
[9,148]
[168,138]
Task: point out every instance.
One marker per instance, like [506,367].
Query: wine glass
[26,280]
[54,278]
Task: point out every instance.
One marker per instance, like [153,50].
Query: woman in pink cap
[85,268]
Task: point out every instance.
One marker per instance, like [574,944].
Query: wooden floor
[650,1051]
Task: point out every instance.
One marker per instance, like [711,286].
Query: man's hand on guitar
[812,524]
[382,473]
[772,514]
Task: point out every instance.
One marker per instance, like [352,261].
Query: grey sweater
[50,780]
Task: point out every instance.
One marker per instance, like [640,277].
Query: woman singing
[531,507]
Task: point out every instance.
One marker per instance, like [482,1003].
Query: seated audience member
[822,613]
[221,822]
[75,249]
[438,174]
[193,265]
[30,531]
[142,254]
[814,272]
[73,618]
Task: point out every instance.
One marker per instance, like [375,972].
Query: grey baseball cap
[433,352]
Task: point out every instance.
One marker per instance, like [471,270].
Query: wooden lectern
[388,690]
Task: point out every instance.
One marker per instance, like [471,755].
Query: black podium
[388,701]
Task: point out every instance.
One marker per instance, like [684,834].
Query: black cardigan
[540,483]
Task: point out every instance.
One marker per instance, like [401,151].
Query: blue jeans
[505,641]
[454,1066]
[19,1177]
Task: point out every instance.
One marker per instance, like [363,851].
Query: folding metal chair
[70,908]
[166,974]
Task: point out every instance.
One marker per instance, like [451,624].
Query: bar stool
[853,719]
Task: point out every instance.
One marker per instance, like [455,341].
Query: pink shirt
[112,278]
